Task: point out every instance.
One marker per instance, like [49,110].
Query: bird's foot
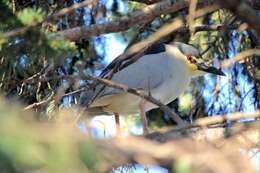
[117,120]
[143,117]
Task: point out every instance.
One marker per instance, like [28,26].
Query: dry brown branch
[215,123]
[207,121]
[134,19]
[192,11]
[238,135]
[243,11]
[240,56]
[220,119]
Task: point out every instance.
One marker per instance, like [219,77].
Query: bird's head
[195,63]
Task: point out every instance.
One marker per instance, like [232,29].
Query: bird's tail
[86,99]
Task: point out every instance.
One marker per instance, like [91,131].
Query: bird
[164,71]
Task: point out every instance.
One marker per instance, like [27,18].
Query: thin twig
[213,120]
[37,104]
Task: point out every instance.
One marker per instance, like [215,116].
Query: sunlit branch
[240,56]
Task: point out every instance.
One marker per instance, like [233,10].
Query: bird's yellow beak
[210,69]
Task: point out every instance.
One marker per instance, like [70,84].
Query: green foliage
[60,46]
[30,16]
[185,102]
[182,166]
[17,144]
[36,146]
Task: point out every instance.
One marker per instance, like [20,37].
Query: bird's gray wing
[132,57]
[146,73]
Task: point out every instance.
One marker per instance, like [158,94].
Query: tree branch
[200,151]
[241,56]
[134,19]
[202,123]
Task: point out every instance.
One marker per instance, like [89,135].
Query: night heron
[164,72]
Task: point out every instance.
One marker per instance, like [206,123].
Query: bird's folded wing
[146,74]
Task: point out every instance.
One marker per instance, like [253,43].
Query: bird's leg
[143,117]
[117,119]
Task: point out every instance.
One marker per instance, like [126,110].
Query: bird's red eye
[190,59]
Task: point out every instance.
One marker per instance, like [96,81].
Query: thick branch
[134,19]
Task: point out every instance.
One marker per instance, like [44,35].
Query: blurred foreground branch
[197,151]
[59,143]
